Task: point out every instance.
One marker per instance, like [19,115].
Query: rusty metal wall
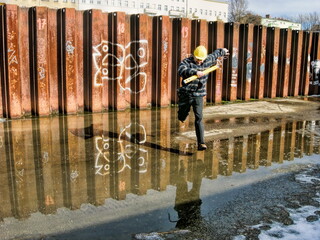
[67,61]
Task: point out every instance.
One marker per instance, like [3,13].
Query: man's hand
[226,51]
[200,74]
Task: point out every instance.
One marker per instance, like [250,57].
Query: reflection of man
[188,203]
[192,93]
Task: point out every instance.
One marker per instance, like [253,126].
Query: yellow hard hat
[200,52]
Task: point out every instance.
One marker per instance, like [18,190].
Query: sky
[283,8]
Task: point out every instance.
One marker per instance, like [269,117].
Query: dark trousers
[185,103]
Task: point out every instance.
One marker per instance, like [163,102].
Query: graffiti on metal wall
[249,63]
[131,150]
[104,60]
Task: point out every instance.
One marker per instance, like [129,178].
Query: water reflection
[49,163]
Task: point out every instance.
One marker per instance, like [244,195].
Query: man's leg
[184,107]
[197,105]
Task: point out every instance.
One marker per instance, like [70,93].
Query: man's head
[200,54]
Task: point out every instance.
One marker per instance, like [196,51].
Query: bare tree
[309,21]
[237,10]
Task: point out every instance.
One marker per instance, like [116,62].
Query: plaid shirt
[188,67]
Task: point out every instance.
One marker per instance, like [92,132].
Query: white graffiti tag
[132,57]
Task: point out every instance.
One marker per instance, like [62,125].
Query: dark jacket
[188,67]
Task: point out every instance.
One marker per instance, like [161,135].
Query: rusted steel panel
[24,60]
[249,62]
[258,61]
[117,84]
[138,61]
[99,52]
[245,61]
[53,60]
[13,58]
[41,78]
[161,84]
[305,63]
[307,77]
[3,66]
[166,46]
[70,61]
[294,60]
[284,62]
[97,57]
[79,59]
[104,63]
[176,59]
[203,38]
[262,61]
[215,40]
[298,67]
[272,49]
[181,32]
[231,72]
[195,33]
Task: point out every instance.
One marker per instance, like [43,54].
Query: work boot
[202,147]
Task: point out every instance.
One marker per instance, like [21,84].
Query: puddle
[76,172]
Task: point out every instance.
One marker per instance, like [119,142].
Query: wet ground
[138,174]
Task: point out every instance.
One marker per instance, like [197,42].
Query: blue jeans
[185,103]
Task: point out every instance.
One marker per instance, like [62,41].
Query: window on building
[142,5]
[206,12]
[172,7]
[195,10]
[126,3]
[148,5]
[182,9]
[119,3]
[201,11]
[65,1]
[177,8]
[190,10]
[98,2]
[83,1]
[159,6]
[215,13]
[166,7]
[56,0]
[210,13]
[112,2]
[91,1]
[225,14]
[133,4]
[219,13]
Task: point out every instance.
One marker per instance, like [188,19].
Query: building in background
[201,9]
[280,23]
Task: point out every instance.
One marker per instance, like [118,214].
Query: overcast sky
[283,8]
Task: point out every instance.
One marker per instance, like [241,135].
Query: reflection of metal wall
[71,61]
[65,162]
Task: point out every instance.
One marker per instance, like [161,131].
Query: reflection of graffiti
[74,175]
[133,153]
[104,58]
[136,133]
[1,142]
[102,146]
